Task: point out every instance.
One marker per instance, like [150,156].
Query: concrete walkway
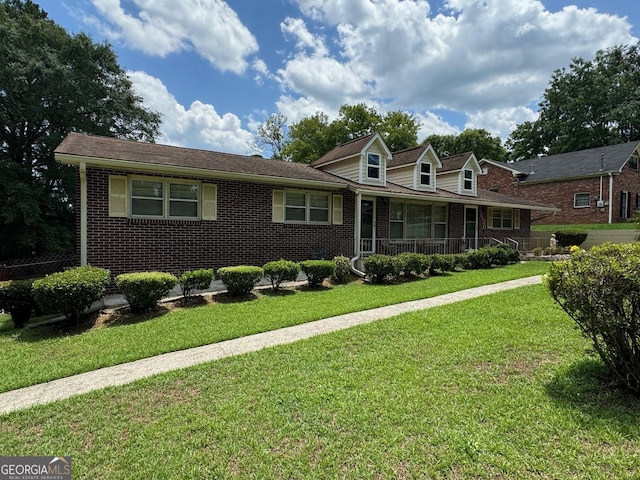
[130,372]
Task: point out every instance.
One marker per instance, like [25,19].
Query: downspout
[610,198]
[356,236]
[83,213]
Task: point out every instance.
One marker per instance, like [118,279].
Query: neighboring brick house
[598,185]
[146,206]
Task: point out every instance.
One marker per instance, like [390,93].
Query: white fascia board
[192,172]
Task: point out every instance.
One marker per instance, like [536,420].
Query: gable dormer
[415,168]
[363,160]
[459,174]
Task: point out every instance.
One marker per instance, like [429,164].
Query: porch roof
[484,197]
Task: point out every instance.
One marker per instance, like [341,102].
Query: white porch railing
[430,246]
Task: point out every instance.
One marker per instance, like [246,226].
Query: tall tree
[476,140]
[592,103]
[52,83]
[272,136]
[399,129]
[313,136]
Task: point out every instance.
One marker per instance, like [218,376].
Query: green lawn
[494,387]
[37,355]
[589,226]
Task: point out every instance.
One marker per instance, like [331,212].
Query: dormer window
[468,180]
[373,165]
[425,174]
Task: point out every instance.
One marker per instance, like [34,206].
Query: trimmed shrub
[280,271]
[72,291]
[342,272]
[513,255]
[477,259]
[240,279]
[413,264]
[195,280]
[567,238]
[16,297]
[317,270]
[600,291]
[498,255]
[143,290]
[382,267]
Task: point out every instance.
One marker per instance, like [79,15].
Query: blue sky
[217,69]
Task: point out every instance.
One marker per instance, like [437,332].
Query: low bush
[16,297]
[600,291]
[381,268]
[240,279]
[143,290]
[478,259]
[195,280]
[567,238]
[342,272]
[500,255]
[280,271]
[413,264]
[317,270]
[512,255]
[72,291]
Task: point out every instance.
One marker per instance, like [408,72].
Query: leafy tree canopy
[593,103]
[478,141]
[52,83]
[313,136]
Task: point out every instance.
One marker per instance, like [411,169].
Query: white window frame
[423,174]
[405,220]
[514,218]
[307,206]
[465,180]
[166,187]
[377,166]
[575,200]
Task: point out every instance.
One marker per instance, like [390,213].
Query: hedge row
[71,292]
[382,268]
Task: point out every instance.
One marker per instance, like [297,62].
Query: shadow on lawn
[588,386]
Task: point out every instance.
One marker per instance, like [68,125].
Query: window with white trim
[373,165]
[581,200]
[468,179]
[503,219]
[306,207]
[425,174]
[410,220]
[164,198]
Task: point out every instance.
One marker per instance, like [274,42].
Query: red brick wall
[242,234]
[561,195]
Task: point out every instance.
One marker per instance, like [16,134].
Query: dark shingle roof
[578,164]
[92,146]
[454,162]
[407,156]
[344,150]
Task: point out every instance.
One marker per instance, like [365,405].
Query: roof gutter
[465,201]
[68,159]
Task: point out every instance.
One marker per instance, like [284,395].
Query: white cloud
[500,121]
[161,27]
[484,59]
[433,124]
[198,126]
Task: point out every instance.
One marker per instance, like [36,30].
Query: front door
[368,225]
[471,227]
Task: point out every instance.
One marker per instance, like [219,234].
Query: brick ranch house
[146,206]
[598,185]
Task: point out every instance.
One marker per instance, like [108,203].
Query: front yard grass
[494,387]
[36,355]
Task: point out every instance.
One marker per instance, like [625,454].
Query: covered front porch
[395,224]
